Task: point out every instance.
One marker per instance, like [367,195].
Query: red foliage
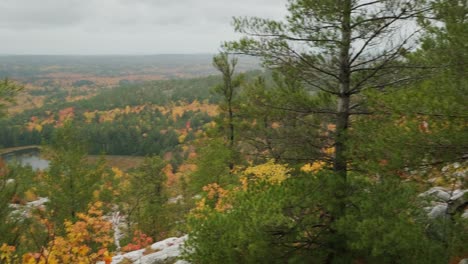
[139,241]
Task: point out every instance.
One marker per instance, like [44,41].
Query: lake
[27,157]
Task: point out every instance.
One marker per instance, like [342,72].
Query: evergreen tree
[289,222]
[332,47]
[213,165]
[227,90]
[217,153]
[338,48]
[70,181]
[424,124]
[147,198]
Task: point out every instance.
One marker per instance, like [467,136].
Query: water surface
[27,157]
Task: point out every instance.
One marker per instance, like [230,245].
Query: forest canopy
[349,146]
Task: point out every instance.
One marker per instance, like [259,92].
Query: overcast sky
[124,26]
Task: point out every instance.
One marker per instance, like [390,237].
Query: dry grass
[123,163]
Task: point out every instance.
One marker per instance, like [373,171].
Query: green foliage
[18,186]
[227,90]
[292,223]
[277,120]
[239,235]
[7,192]
[328,46]
[213,161]
[425,123]
[147,197]
[137,133]
[334,91]
[8,91]
[385,224]
[71,181]
[332,98]
[82,83]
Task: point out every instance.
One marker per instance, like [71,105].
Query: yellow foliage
[127,110]
[182,137]
[30,195]
[117,172]
[217,193]
[7,253]
[96,194]
[270,172]
[329,151]
[219,199]
[200,207]
[185,148]
[314,167]
[89,116]
[195,106]
[74,247]
[107,116]
[244,183]
[38,127]
[177,111]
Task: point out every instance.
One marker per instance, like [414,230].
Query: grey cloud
[124,26]
[26,14]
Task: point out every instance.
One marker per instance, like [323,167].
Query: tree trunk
[340,165]
[231,122]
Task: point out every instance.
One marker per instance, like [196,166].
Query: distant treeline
[111,129]
[29,66]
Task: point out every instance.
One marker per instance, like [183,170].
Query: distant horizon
[14,65]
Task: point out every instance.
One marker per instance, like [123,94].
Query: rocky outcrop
[162,252]
[21,211]
[445,202]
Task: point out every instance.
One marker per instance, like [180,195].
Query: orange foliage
[218,194]
[86,241]
[275,125]
[187,168]
[331,127]
[140,240]
[3,168]
[34,124]
[7,253]
[65,114]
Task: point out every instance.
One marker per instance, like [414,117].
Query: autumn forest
[337,134]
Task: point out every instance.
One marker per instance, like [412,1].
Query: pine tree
[71,181]
[342,49]
[425,123]
[228,90]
